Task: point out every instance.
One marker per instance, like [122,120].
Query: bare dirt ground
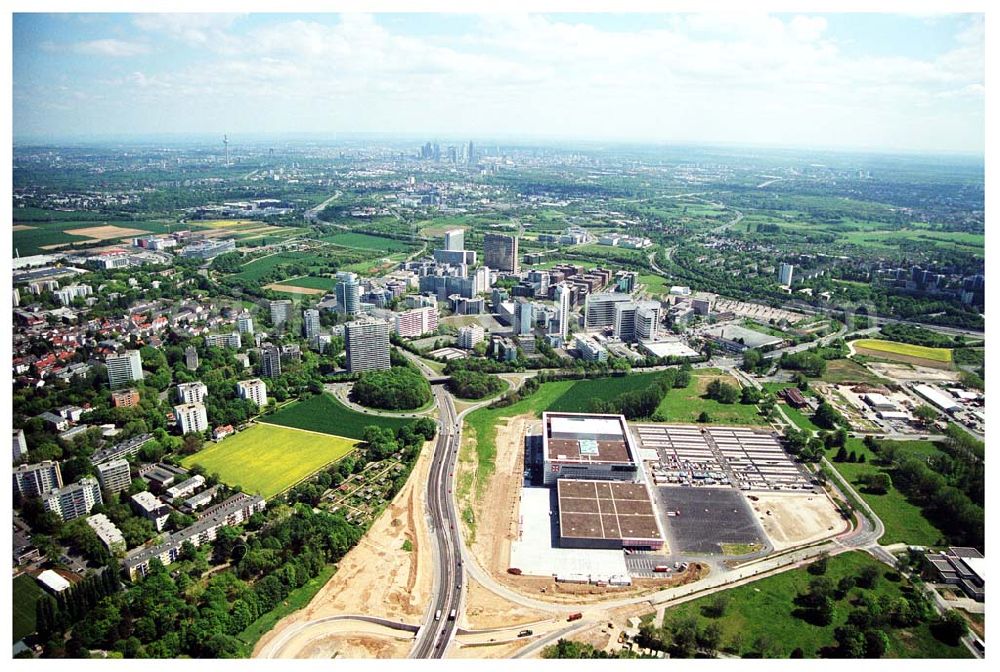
[505,650]
[356,646]
[496,511]
[792,519]
[485,609]
[292,289]
[377,577]
[106,232]
[22,227]
[907,374]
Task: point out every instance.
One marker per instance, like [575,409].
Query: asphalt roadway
[439,626]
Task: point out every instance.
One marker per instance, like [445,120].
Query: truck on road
[575,617]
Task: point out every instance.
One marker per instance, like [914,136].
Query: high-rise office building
[281,311]
[348,292]
[124,368]
[270,361]
[191,418]
[785,274]
[75,500]
[454,240]
[191,393]
[367,345]
[244,324]
[114,476]
[20,445]
[562,296]
[636,320]
[599,309]
[524,317]
[35,480]
[310,320]
[191,358]
[500,252]
[470,155]
[254,389]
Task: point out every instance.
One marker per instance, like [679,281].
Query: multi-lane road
[442,617]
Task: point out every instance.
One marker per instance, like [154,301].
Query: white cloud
[746,77]
[105,47]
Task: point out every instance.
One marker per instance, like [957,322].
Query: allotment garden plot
[268,459]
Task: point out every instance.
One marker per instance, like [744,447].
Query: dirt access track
[794,518]
[376,578]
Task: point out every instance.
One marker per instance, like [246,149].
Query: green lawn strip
[686,404]
[269,459]
[365,241]
[311,282]
[26,594]
[323,413]
[840,371]
[483,423]
[764,608]
[297,599]
[801,420]
[904,522]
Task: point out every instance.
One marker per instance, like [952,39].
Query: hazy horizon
[836,82]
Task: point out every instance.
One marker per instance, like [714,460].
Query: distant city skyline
[837,81]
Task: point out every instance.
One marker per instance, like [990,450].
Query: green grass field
[904,522]
[311,282]
[848,371]
[685,405]
[258,268]
[323,413]
[801,420]
[906,349]
[364,241]
[25,594]
[578,397]
[268,459]
[764,608]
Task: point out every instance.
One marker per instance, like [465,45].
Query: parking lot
[706,518]
[756,460]
[685,456]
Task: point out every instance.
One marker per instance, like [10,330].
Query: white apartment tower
[192,393]
[114,476]
[191,418]
[124,368]
[254,389]
[367,345]
[244,324]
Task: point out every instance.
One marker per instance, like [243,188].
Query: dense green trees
[398,388]
[722,392]
[468,384]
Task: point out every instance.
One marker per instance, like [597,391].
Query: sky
[828,81]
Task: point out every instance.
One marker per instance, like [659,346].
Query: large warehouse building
[602,514]
[596,447]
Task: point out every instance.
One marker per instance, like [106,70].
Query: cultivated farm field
[322,413]
[904,352]
[268,459]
